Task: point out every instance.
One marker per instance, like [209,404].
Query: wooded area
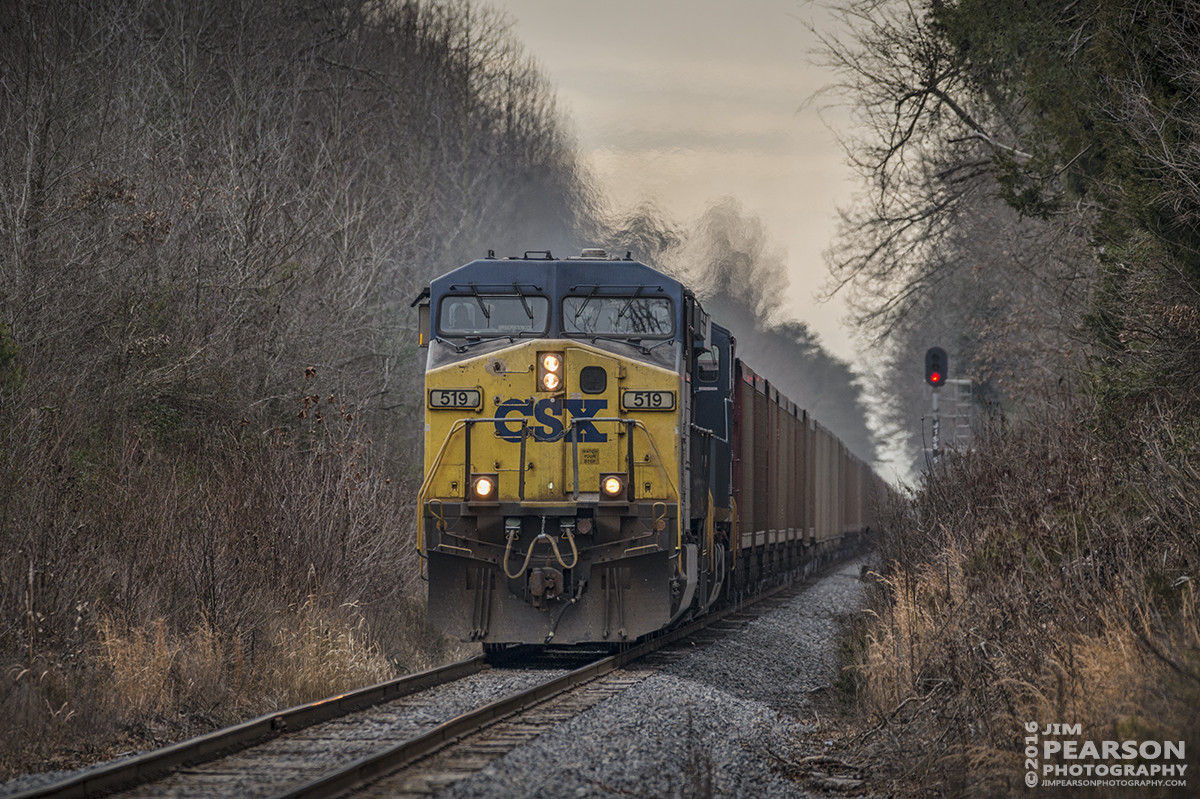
[1029,200]
[1031,205]
[213,218]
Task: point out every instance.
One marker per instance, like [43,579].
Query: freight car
[599,465]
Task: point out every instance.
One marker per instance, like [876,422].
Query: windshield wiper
[478,299]
[473,340]
[636,343]
[586,300]
[659,344]
[524,304]
[621,313]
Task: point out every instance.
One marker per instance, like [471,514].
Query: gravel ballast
[321,747]
[708,724]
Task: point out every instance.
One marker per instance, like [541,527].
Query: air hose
[563,609]
[512,535]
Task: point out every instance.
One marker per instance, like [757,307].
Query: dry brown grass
[1044,576]
[315,652]
[154,586]
[152,673]
[319,652]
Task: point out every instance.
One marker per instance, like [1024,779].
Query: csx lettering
[550,412]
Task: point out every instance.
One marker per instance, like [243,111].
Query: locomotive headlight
[612,486]
[483,487]
[550,371]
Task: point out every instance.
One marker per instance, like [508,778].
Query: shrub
[1043,575]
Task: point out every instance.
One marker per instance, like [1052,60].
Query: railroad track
[390,737]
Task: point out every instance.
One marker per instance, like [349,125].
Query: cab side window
[708,366]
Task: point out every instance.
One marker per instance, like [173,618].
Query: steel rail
[405,754]
[153,765]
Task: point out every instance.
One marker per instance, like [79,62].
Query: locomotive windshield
[618,317]
[483,314]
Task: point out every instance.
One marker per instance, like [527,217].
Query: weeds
[1046,575]
[322,651]
[151,590]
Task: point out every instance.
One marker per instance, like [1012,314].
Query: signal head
[936,365]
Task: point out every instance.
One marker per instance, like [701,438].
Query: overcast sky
[685,101]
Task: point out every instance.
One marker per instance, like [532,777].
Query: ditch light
[484,487]
[612,486]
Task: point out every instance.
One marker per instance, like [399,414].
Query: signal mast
[935,375]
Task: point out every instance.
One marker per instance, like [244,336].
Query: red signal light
[936,365]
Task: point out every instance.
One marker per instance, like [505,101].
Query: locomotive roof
[559,277]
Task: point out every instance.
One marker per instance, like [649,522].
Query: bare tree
[213,216]
[932,253]
[728,257]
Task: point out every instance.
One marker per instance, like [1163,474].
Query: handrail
[630,465]
[649,438]
[459,424]
[464,424]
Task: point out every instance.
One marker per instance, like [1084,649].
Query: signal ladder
[953,421]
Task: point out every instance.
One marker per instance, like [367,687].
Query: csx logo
[549,412]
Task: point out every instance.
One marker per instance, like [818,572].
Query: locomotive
[599,465]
